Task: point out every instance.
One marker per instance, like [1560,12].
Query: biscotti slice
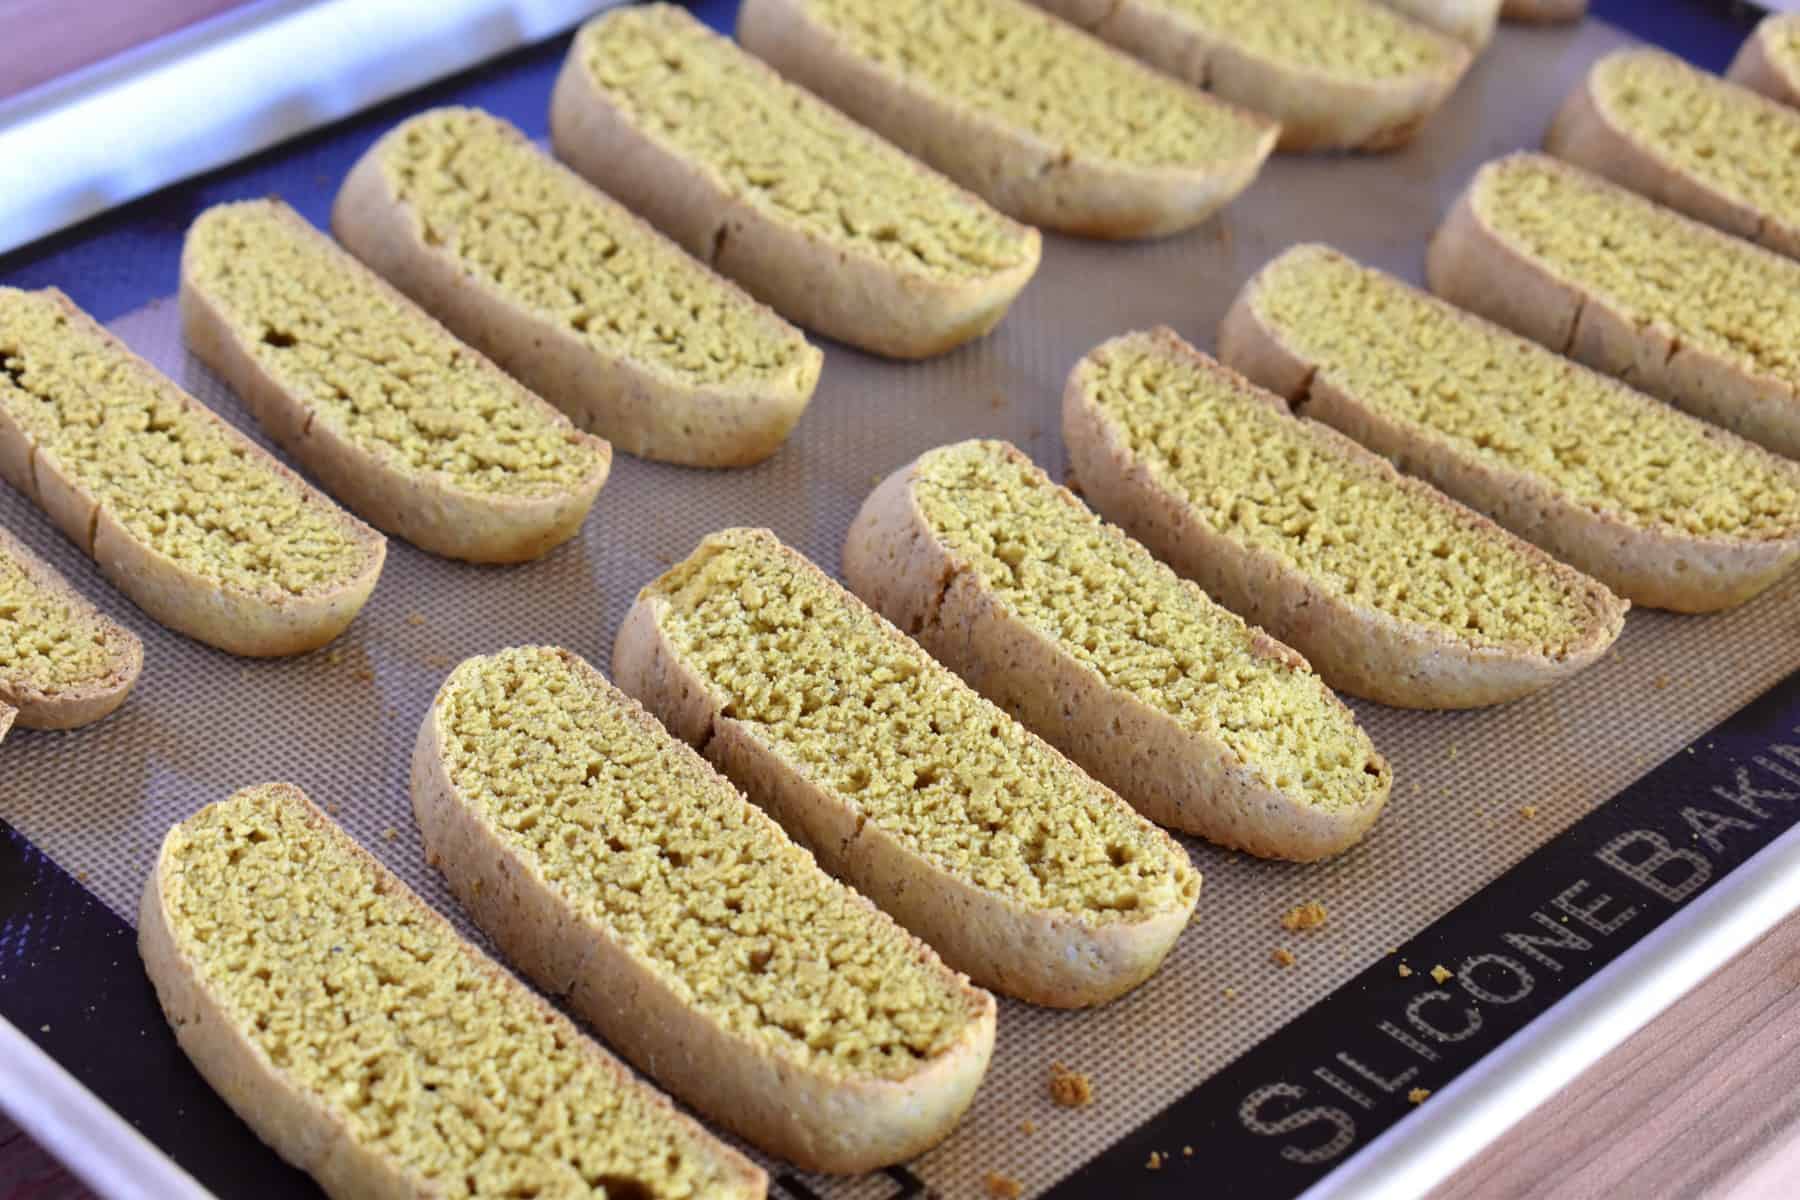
[617,869]
[1470,22]
[369,1045]
[586,304]
[63,663]
[1049,124]
[1663,508]
[745,170]
[1389,588]
[1338,74]
[203,529]
[419,434]
[1769,59]
[1200,721]
[1543,12]
[1597,272]
[1687,139]
[907,784]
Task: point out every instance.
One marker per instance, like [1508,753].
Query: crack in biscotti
[513,221]
[394,383]
[176,478]
[774,147]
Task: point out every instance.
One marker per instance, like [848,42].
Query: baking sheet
[340,722]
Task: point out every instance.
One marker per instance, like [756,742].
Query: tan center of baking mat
[341,722]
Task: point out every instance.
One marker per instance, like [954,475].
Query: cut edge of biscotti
[221,953]
[1480,261]
[692,413]
[1364,648]
[1763,65]
[1690,166]
[1650,556]
[861,1090]
[893,289]
[1096,933]
[1301,783]
[472,501]
[72,700]
[268,620]
[1319,107]
[1038,177]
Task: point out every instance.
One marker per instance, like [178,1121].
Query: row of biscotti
[616,869]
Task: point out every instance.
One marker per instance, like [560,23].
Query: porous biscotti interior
[178,479]
[1783,44]
[870,718]
[531,230]
[1124,615]
[429,1055]
[648,844]
[1023,67]
[1714,292]
[1509,402]
[1742,144]
[1353,39]
[779,149]
[49,641]
[394,382]
[1253,473]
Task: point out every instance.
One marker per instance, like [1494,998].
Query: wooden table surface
[1703,1101]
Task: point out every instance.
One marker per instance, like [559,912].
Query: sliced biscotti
[1049,124]
[203,529]
[416,432]
[1470,22]
[1663,508]
[616,868]
[63,663]
[907,784]
[1200,721]
[1389,588]
[1543,12]
[585,303]
[1338,74]
[1769,60]
[1687,139]
[369,1045]
[750,173]
[1597,272]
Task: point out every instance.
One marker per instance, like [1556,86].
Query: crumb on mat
[1442,974]
[1070,1089]
[1282,956]
[1002,1187]
[1418,1095]
[1310,915]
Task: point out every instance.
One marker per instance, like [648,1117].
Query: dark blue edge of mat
[1285,1113]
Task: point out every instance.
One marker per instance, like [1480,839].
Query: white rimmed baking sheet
[341,722]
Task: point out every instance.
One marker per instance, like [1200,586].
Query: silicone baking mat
[1475,794]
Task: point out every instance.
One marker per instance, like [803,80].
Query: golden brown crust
[1585,134]
[427,508]
[1755,65]
[1020,173]
[629,405]
[1052,958]
[1656,568]
[820,284]
[1472,266]
[1356,649]
[254,625]
[1316,111]
[69,707]
[1543,12]
[294,1123]
[786,1106]
[1177,776]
